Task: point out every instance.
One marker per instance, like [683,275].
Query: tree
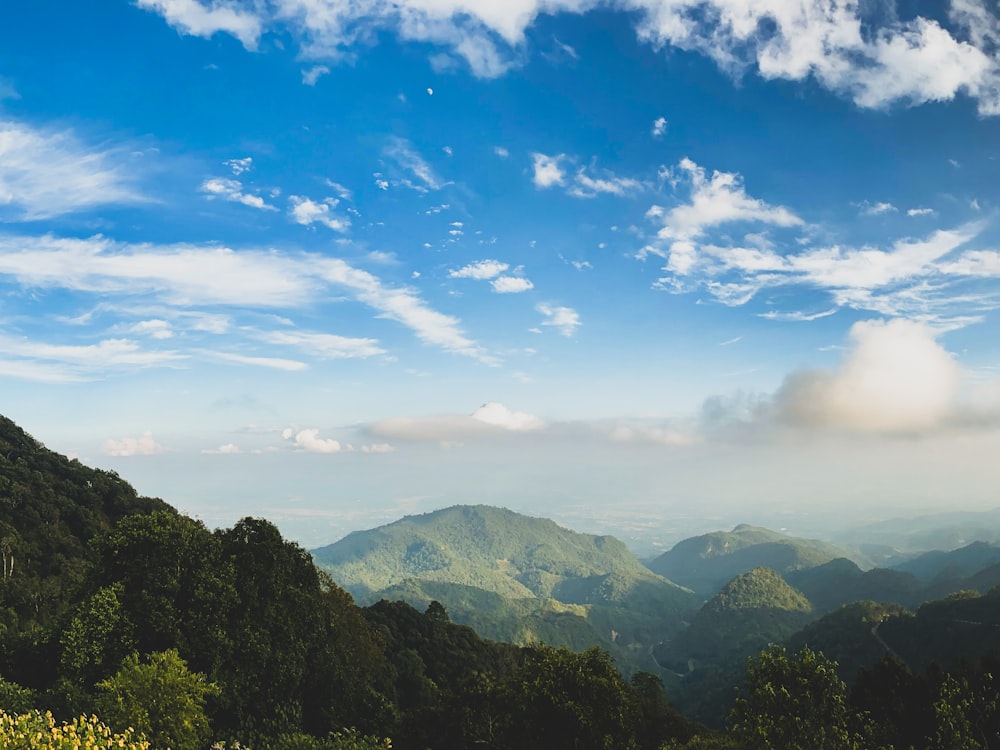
[161,699]
[793,703]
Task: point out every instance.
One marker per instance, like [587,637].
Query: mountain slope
[514,578]
[50,508]
[705,563]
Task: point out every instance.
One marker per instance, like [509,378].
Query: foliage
[50,508]
[161,699]
[38,731]
[793,703]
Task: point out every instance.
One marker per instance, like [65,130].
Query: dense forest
[124,623]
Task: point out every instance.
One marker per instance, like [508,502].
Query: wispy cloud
[409,161]
[313,74]
[47,173]
[232,190]
[481,269]
[325,345]
[193,276]
[564,319]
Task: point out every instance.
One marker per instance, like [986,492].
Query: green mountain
[957,563]
[841,582]
[705,563]
[514,578]
[751,611]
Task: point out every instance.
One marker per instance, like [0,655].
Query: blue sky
[331,262]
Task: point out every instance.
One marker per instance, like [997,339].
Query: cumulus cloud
[143,445]
[912,277]
[232,190]
[309,441]
[498,415]
[306,212]
[659,127]
[564,319]
[194,18]
[715,200]
[47,173]
[511,285]
[896,378]
[548,170]
[844,48]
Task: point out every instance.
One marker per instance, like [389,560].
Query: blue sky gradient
[334,261]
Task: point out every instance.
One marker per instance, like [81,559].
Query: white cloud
[378,448]
[157,329]
[343,193]
[306,212]
[191,17]
[548,170]
[659,127]
[409,160]
[843,47]
[720,199]
[920,212]
[491,420]
[511,285]
[325,345]
[501,152]
[143,445]
[481,270]
[309,441]
[228,449]
[274,363]
[49,173]
[877,209]
[313,74]
[239,166]
[585,186]
[232,190]
[896,378]
[564,319]
[498,415]
[406,307]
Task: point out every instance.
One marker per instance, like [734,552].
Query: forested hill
[50,509]
[477,545]
[706,563]
[515,578]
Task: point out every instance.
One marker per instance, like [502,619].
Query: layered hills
[706,563]
[515,578]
